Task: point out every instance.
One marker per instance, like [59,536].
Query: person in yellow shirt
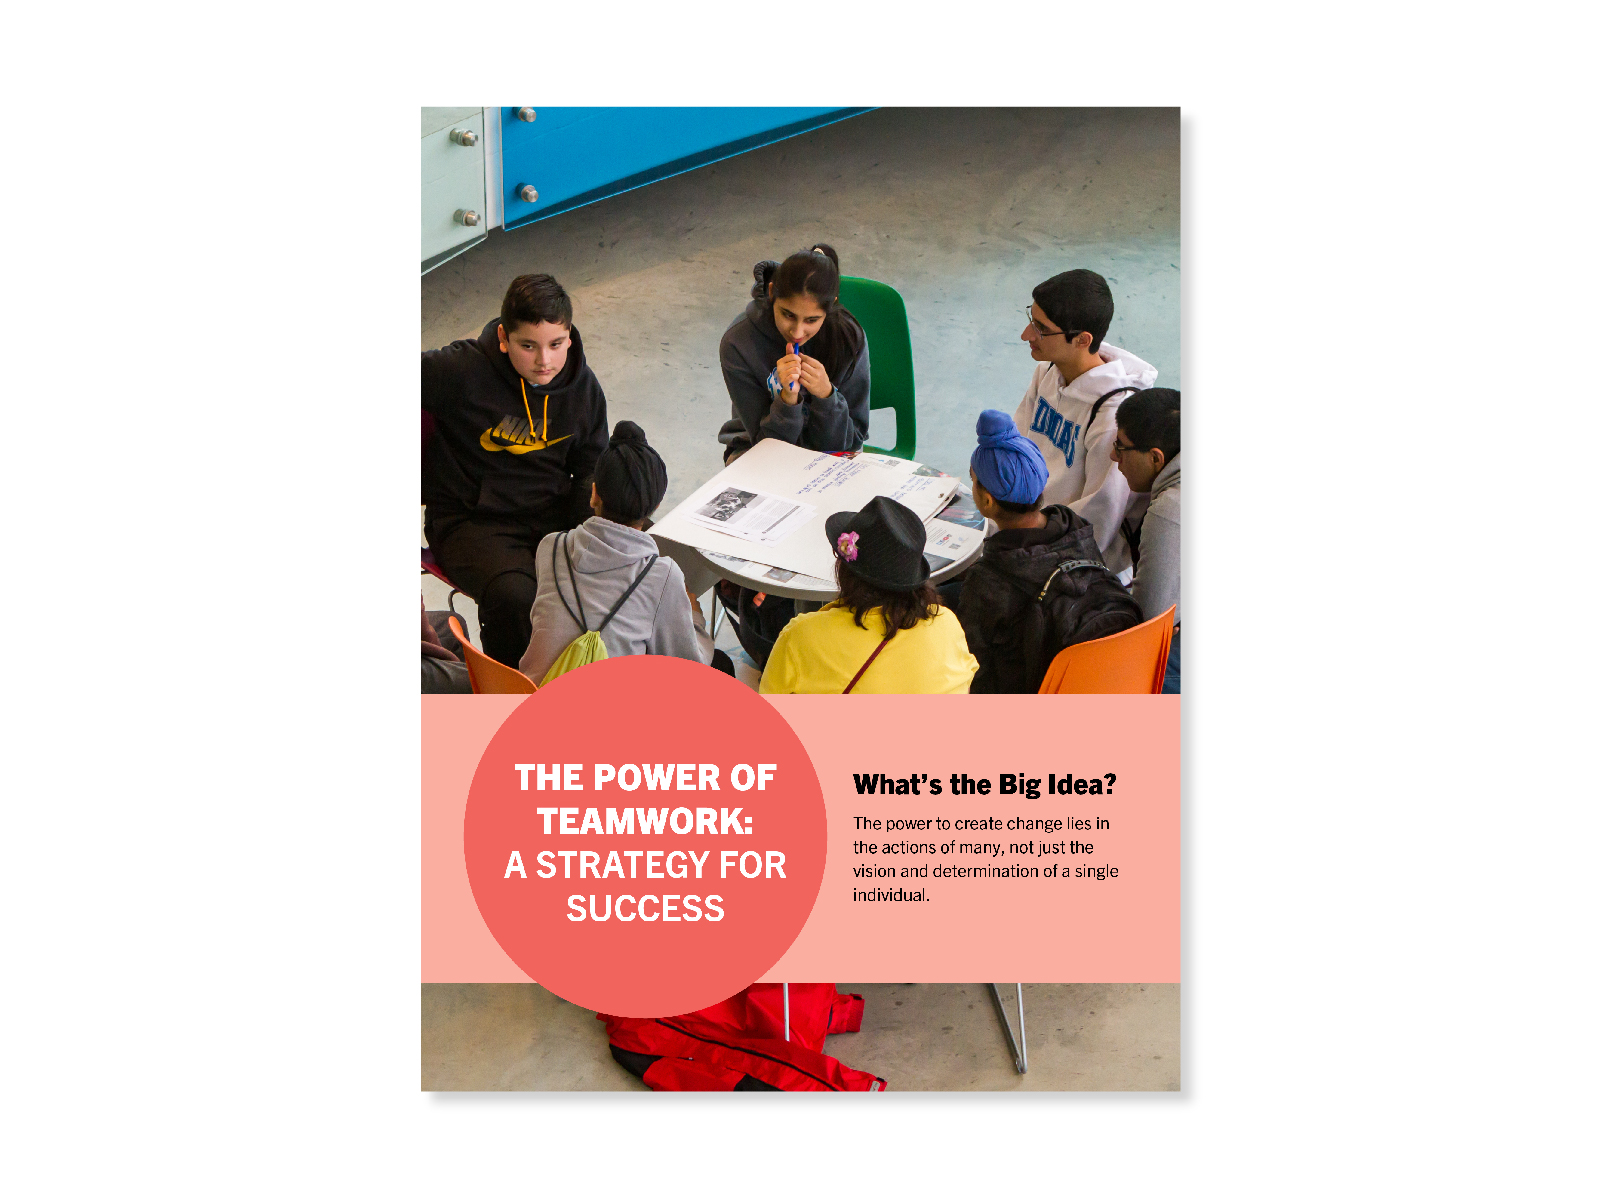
[886,633]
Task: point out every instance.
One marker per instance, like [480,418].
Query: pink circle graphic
[679,881]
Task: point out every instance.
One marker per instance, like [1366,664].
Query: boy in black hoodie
[519,420]
[1040,584]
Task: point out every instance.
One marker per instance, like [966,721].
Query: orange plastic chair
[488,676]
[1128,663]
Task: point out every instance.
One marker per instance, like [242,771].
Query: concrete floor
[962,210]
[917,1036]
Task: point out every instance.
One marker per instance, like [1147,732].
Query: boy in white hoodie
[1070,408]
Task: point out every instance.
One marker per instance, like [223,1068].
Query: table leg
[1018,1043]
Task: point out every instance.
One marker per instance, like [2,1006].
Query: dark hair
[533,300]
[902,609]
[630,476]
[1019,509]
[1077,301]
[815,273]
[1150,419]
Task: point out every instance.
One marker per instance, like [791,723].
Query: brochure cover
[800,600]
[689,821]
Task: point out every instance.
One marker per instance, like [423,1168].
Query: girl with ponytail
[795,361]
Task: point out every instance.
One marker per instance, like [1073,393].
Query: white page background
[211,859]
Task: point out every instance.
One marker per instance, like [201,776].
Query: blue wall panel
[575,156]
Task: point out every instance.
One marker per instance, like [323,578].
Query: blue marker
[794,348]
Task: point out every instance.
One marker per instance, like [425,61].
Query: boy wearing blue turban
[1040,584]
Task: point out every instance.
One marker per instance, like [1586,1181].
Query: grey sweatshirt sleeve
[673,635]
[838,421]
[752,404]
[1156,579]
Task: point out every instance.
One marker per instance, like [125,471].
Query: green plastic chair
[882,314]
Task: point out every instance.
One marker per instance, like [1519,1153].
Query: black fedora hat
[882,544]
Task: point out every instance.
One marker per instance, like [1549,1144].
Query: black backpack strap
[1070,565]
[1131,535]
[572,575]
[1073,564]
[638,579]
[1097,407]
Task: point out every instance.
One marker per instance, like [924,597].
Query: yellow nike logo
[524,447]
[521,438]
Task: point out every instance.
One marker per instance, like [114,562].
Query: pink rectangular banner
[1019,837]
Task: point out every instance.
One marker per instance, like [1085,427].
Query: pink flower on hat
[847,546]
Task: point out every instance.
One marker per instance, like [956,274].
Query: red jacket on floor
[738,1044]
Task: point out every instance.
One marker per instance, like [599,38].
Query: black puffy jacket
[1032,593]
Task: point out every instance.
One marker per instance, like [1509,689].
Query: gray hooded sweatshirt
[656,619]
[1156,568]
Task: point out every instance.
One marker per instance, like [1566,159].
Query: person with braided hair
[795,361]
[606,574]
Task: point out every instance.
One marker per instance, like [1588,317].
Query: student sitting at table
[886,633]
[519,421]
[606,576]
[1147,453]
[1071,401]
[1040,584]
[795,362]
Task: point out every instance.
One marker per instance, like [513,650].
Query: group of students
[540,515]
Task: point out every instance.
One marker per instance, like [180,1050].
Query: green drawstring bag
[587,647]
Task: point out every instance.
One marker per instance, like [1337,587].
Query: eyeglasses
[1120,450]
[1043,331]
